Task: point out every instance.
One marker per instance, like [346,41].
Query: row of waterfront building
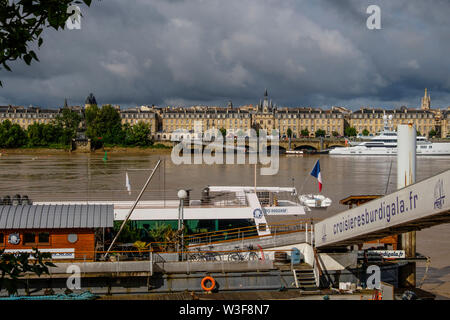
[264,115]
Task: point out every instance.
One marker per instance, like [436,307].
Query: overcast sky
[315,53]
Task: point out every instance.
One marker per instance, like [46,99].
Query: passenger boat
[385,144]
[218,208]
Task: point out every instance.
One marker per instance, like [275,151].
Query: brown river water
[87,177]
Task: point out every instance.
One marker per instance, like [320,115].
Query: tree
[22,23]
[69,119]
[365,132]
[432,133]
[128,233]
[320,133]
[40,134]
[289,132]
[223,131]
[350,132]
[104,125]
[304,133]
[138,135]
[335,134]
[12,135]
[14,266]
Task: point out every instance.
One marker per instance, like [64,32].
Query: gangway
[415,207]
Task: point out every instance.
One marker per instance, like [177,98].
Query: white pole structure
[182,194]
[132,208]
[406,175]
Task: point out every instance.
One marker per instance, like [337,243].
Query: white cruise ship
[385,144]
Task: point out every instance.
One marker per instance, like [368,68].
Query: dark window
[44,237]
[262,227]
[29,237]
[2,238]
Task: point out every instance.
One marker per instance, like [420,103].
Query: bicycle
[239,256]
[205,256]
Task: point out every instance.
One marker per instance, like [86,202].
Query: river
[88,177]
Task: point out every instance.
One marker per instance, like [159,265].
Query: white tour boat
[219,208]
[385,144]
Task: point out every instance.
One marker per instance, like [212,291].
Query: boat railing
[228,235]
[272,199]
[150,199]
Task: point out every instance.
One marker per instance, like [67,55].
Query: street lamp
[182,194]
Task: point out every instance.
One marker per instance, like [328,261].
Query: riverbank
[119,150]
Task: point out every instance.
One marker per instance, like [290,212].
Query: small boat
[294,152]
[315,200]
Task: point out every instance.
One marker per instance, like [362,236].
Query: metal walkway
[418,206]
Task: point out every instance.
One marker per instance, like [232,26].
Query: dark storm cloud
[316,53]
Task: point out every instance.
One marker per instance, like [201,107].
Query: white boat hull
[432,149]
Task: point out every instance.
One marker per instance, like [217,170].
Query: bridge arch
[305,147]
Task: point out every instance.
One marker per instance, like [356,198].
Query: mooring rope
[426,272]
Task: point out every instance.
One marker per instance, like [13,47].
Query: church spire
[426,101]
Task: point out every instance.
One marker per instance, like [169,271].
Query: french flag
[316,174]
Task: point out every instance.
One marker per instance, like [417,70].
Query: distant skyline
[191,52]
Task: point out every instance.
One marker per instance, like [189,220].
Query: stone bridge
[295,144]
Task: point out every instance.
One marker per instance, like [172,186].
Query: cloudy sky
[305,52]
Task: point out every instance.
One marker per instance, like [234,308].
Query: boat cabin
[66,231]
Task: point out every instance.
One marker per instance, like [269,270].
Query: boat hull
[435,149]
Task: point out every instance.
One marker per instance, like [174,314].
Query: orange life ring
[213,283]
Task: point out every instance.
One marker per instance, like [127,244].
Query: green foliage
[335,134]
[14,266]
[12,135]
[37,135]
[304,133]
[320,133]
[161,146]
[44,135]
[69,119]
[365,132]
[289,132]
[164,234]
[128,234]
[104,125]
[432,133]
[22,23]
[223,131]
[350,132]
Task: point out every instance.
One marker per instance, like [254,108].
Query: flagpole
[303,185]
[132,208]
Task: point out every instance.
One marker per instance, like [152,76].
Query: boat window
[44,237]
[262,227]
[429,147]
[423,147]
[2,237]
[29,237]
